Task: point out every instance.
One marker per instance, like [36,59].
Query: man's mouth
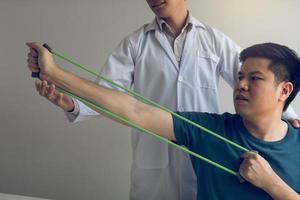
[240,97]
[158,4]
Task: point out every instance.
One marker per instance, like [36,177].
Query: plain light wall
[41,154]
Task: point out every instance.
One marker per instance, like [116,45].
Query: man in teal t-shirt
[283,155]
[268,81]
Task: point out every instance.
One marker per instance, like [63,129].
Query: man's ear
[286,90]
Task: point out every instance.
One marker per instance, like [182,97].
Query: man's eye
[255,78]
[240,78]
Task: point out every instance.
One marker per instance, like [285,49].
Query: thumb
[249,155]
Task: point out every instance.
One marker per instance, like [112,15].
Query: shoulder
[136,38]
[219,40]
[141,32]
[216,34]
[189,134]
[204,118]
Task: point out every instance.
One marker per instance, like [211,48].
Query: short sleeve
[192,136]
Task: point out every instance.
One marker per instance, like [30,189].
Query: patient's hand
[256,170]
[53,95]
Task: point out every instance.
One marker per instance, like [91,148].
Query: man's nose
[243,84]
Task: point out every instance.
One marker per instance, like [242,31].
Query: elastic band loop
[122,119]
[148,101]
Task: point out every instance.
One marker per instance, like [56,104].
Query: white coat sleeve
[119,67]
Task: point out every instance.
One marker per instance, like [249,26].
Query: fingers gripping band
[37,74]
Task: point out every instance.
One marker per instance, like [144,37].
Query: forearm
[279,190]
[146,116]
[115,101]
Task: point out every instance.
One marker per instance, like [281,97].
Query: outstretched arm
[148,117]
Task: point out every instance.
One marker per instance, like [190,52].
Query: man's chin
[240,111]
[162,15]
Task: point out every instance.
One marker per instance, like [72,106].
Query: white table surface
[17,197]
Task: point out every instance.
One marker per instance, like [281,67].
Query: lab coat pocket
[206,66]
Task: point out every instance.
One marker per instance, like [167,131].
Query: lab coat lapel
[188,53]
[163,41]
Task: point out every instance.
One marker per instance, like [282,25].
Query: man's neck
[267,128]
[177,21]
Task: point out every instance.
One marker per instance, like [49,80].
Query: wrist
[274,185]
[53,73]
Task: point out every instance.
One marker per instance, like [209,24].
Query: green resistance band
[146,131]
[148,101]
[142,98]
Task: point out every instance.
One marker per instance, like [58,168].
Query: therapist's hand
[295,122]
[50,93]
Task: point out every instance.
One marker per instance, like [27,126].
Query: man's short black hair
[285,64]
